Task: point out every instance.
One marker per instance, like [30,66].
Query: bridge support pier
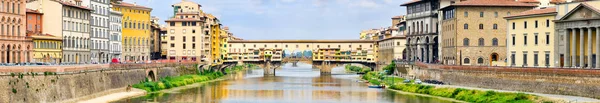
[268,69]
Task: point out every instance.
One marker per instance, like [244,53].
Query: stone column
[430,53]
[573,48]
[589,50]
[597,47]
[581,53]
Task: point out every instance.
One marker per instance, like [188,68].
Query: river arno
[290,85]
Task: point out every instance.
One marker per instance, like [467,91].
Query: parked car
[418,81]
[434,82]
[406,81]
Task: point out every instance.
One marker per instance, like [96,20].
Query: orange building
[15,46]
[34,22]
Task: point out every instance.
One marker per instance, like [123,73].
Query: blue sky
[292,19]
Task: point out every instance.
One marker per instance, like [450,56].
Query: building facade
[16,47]
[46,47]
[76,32]
[578,26]
[389,49]
[184,33]
[422,30]
[99,32]
[115,41]
[215,39]
[533,46]
[474,32]
[155,38]
[136,31]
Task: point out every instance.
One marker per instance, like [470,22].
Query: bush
[170,82]
[475,96]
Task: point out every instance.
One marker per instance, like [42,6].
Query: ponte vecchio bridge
[322,54]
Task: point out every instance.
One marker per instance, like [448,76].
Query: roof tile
[493,3]
[535,11]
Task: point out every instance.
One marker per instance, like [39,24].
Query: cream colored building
[531,38]
[185,37]
[577,26]
[392,48]
[249,50]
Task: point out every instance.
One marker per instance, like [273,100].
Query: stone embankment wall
[565,81]
[75,81]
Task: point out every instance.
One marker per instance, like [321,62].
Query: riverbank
[175,83]
[461,94]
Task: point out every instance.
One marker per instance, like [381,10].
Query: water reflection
[290,85]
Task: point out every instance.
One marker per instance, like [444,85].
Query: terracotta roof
[535,12]
[493,3]
[410,2]
[398,17]
[529,1]
[131,5]
[557,1]
[72,5]
[33,11]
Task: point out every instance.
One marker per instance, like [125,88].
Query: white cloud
[366,4]
[287,1]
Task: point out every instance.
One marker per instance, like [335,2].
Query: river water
[300,84]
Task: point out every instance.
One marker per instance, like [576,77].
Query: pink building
[15,45]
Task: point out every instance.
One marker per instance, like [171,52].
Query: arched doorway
[493,58]
[151,76]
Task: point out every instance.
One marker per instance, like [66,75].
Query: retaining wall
[565,81]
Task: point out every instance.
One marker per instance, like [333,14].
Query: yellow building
[215,34]
[47,48]
[224,47]
[531,38]
[136,31]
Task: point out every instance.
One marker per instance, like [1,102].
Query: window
[524,58]
[183,45]
[525,24]
[466,14]
[481,42]
[547,38]
[495,42]
[467,61]
[193,45]
[512,59]
[466,42]
[466,26]
[535,41]
[172,45]
[513,39]
[172,37]
[535,59]
[495,26]
[480,26]
[513,25]
[481,14]
[480,61]
[525,39]
[193,38]
[536,24]
[495,14]
[547,23]
[172,24]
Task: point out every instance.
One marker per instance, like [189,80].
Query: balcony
[421,14]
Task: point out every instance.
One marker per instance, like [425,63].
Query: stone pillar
[589,48]
[571,52]
[430,53]
[597,47]
[573,47]
[581,53]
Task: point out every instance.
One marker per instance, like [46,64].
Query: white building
[115,35]
[99,32]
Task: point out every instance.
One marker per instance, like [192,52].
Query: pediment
[582,12]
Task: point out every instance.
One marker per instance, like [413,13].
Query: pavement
[115,96]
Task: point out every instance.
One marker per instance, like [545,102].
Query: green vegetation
[170,82]
[234,69]
[389,69]
[357,69]
[475,96]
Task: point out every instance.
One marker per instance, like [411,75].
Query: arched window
[467,61]
[481,42]
[495,42]
[480,26]
[480,61]
[495,26]
[466,42]
[466,26]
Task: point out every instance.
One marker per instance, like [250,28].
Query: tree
[389,69]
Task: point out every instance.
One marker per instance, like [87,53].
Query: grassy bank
[171,82]
[475,96]
[356,69]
